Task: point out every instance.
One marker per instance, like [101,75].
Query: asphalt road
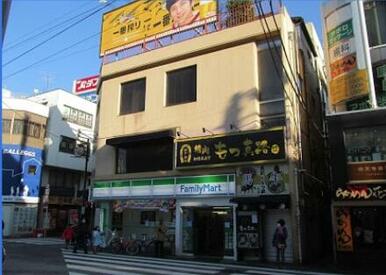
[34,259]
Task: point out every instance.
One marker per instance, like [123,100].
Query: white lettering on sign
[86,84]
[19,152]
[200,188]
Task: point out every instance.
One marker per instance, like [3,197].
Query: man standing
[160,235]
[81,235]
[280,240]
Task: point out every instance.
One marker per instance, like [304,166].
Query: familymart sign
[175,186]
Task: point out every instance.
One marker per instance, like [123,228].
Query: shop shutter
[270,222]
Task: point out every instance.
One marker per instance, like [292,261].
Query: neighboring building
[355,48]
[63,181]
[23,131]
[6,6]
[201,134]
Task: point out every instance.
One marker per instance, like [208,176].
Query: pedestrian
[160,235]
[82,236]
[280,240]
[96,239]
[68,235]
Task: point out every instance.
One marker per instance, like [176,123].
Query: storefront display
[366,154]
[247,230]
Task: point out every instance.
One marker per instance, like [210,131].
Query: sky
[74,53]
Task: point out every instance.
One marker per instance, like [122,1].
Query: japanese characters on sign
[85,85]
[343,232]
[239,148]
[143,19]
[340,32]
[374,172]
[361,192]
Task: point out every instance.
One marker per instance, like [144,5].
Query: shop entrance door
[208,228]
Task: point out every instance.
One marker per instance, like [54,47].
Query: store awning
[141,137]
[268,200]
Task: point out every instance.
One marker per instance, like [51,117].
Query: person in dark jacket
[81,236]
[280,240]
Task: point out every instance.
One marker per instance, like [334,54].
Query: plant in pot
[239,12]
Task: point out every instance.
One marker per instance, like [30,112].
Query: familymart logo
[200,188]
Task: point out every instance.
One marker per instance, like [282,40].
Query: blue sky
[30,17]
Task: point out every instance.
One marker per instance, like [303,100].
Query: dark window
[181,86]
[67,145]
[6,126]
[147,216]
[19,127]
[270,82]
[133,96]
[145,156]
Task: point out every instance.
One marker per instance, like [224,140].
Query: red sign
[367,172]
[86,85]
[344,65]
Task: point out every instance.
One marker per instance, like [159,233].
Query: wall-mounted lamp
[204,130]
[179,133]
[234,127]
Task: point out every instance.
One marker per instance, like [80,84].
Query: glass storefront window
[376,22]
[365,144]
[379,73]
[366,155]
[187,230]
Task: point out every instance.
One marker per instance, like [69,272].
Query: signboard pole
[362,23]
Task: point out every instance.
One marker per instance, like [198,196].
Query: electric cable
[14,44]
[58,33]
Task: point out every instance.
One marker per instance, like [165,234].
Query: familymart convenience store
[196,210]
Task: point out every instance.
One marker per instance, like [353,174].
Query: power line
[58,33]
[30,36]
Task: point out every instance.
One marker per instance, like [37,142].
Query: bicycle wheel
[133,249]
[116,247]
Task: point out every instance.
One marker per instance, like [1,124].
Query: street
[47,256]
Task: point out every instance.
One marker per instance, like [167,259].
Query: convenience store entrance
[208,232]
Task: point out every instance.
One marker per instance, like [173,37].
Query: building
[355,48]
[23,131]
[209,135]
[70,131]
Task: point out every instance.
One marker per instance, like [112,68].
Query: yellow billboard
[349,86]
[148,19]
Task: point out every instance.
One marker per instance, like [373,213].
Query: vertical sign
[343,231]
[347,71]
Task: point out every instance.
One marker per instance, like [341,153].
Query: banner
[22,167]
[343,233]
[247,147]
[143,19]
[361,192]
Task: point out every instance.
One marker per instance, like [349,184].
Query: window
[19,127]
[6,126]
[67,145]
[77,116]
[33,130]
[145,156]
[181,86]
[32,170]
[133,96]
[376,22]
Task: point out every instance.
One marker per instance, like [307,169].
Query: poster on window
[22,166]
[262,180]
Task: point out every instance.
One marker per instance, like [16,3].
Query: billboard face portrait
[130,24]
[22,168]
